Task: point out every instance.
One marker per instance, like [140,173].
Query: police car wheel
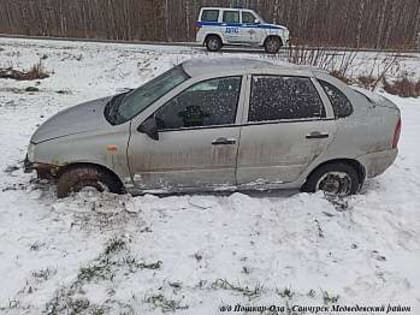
[213,43]
[272,45]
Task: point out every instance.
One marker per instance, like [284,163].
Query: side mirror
[256,21]
[149,127]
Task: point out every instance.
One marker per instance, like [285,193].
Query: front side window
[133,103]
[340,103]
[248,18]
[208,103]
[210,16]
[231,17]
[278,98]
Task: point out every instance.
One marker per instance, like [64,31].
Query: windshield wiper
[111,108]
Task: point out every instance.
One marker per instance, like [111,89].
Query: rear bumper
[378,162]
[200,37]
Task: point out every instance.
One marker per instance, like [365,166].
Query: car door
[198,139]
[249,31]
[231,24]
[209,23]
[286,127]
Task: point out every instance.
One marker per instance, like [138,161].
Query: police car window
[231,17]
[340,103]
[210,16]
[208,103]
[248,18]
[276,98]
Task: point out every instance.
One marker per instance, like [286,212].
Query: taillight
[397,134]
[197,27]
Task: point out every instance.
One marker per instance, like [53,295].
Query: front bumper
[28,166]
[44,171]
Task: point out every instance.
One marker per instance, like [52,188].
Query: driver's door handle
[317,135]
[223,141]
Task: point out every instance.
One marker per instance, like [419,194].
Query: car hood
[74,120]
[276,26]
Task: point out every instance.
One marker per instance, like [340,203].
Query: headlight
[31,152]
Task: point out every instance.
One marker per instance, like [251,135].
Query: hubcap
[213,44]
[93,187]
[335,183]
[272,46]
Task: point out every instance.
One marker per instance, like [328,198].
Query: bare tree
[360,22]
[416,35]
[350,23]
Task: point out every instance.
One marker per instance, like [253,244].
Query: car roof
[224,8]
[198,66]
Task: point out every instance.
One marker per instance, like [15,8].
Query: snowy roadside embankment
[194,253]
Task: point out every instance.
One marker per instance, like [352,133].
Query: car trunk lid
[375,99]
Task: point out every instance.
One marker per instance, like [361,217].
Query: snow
[193,253]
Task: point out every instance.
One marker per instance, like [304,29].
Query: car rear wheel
[85,178]
[339,179]
[272,45]
[213,43]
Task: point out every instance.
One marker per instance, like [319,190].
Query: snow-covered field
[107,254]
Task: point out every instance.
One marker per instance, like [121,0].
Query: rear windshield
[364,96]
[210,16]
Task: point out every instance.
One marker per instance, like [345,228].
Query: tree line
[349,23]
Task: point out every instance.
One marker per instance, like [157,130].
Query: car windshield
[259,17]
[124,108]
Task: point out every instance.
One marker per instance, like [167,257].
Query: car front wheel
[272,45]
[339,179]
[81,178]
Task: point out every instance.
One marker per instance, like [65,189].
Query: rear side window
[210,16]
[340,103]
[231,17]
[277,98]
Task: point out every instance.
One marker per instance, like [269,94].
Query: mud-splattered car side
[222,124]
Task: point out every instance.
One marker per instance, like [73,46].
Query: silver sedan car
[221,124]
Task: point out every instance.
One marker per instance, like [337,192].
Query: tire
[337,178]
[272,45]
[213,43]
[75,179]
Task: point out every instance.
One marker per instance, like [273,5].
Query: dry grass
[376,73]
[366,81]
[337,63]
[403,86]
[36,72]
[341,77]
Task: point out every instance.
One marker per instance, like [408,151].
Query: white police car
[238,27]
